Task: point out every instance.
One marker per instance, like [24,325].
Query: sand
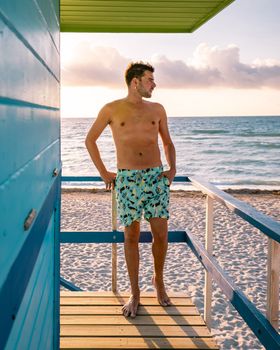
[239,248]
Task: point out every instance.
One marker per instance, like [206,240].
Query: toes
[164,300]
[161,301]
[168,302]
[125,311]
[134,311]
[130,308]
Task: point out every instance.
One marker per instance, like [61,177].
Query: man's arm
[95,131]
[168,145]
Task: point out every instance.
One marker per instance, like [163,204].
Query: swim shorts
[141,191]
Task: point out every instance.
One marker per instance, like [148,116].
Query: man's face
[146,84]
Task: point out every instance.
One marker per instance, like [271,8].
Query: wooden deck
[91,320]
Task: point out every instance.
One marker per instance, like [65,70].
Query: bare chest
[135,123]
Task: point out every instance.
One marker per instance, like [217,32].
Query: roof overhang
[137,16]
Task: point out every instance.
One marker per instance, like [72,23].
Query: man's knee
[160,236]
[132,233]
[159,229]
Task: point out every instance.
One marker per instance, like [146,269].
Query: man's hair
[137,70]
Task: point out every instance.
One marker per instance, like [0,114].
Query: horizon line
[197,116]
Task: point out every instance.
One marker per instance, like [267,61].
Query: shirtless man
[141,184]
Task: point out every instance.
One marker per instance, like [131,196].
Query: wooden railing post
[273,273]
[209,248]
[114,245]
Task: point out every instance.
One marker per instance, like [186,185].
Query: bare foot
[162,296]
[130,308]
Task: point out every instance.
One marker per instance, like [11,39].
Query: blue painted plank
[46,283]
[6,101]
[26,21]
[261,327]
[51,19]
[45,310]
[47,336]
[23,76]
[31,297]
[21,135]
[56,6]
[25,190]
[81,178]
[14,286]
[35,295]
[259,220]
[114,237]
[56,300]
[49,342]
[69,285]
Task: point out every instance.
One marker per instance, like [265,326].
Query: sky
[228,67]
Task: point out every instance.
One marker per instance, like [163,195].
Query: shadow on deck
[94,320]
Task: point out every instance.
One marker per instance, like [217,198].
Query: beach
[240,249]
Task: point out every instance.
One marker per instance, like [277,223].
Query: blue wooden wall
[29,152]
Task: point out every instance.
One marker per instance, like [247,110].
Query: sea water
[231,152]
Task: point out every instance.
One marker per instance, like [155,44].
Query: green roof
[137,16]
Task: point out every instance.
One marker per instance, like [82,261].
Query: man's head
[141,76]
[137,70]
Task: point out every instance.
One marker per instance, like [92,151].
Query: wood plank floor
[90,320]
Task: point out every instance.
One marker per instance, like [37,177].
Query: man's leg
[131,251]
[159,248]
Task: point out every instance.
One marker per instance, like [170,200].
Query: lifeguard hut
[30,181]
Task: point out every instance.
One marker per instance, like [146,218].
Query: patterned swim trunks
[142,190]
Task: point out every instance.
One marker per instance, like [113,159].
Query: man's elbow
[88,141]
[169,145]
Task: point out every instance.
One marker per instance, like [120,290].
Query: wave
[257,134]
[216,151]
[267,145]
[210,131]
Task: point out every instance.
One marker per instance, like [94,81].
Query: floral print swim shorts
[141,191]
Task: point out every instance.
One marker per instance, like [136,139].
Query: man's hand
[109,179]
[170,174]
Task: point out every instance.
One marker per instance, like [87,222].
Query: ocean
[230,152]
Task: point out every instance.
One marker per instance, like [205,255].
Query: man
[141,184]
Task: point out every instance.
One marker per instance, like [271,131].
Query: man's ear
[134,82]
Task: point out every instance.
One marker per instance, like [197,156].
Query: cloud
[97,66]
[208,67]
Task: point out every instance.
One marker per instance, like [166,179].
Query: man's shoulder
[115,103]
[152,104]
[155,105]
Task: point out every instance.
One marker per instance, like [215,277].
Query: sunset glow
[217,71]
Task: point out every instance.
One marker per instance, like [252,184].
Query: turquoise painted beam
[114,237]
[70,286]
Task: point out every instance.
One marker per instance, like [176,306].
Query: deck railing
[265,328]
